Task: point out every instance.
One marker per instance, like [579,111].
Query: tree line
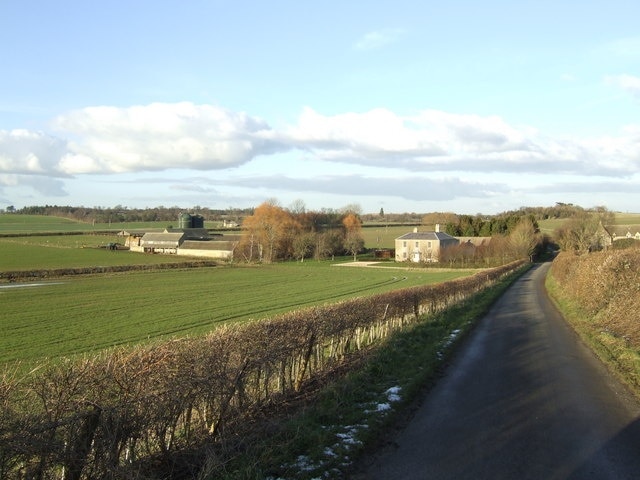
[122,214]
[277,233]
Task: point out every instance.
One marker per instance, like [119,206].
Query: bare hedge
[119,414]
[607,287]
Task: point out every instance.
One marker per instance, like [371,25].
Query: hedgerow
[27,275]
[607,287]
[603,289]
[136,412]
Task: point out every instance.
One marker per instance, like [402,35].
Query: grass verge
[614,351]
[349,417]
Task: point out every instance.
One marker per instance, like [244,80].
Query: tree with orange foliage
[269,233]
[353,241]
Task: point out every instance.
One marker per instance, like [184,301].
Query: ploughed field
[72,315]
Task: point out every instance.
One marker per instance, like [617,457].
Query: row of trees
[524,241]
[274,233]
[121,214]
[478,225]
[504,223]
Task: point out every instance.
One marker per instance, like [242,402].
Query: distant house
[423,246]
[621,232]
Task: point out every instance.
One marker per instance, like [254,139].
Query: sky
[406,106]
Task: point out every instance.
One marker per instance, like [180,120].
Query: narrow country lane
[523,399]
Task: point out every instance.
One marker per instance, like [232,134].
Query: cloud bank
[163,136]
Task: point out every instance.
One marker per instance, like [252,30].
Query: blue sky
[409,106]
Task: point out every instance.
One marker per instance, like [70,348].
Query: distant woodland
[462,225]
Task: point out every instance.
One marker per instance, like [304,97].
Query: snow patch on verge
[448,341]
[336,456]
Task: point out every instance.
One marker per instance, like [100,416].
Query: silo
[184,221]
[197,221]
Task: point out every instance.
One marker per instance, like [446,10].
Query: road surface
[523,399]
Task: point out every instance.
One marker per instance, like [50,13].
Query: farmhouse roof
[426,236]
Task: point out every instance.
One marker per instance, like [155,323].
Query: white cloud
[26,152]
[378,38]
[161,136]
[439,141]
[42,184]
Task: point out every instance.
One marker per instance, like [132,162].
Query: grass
[89,313]
[68,251]
[382,236]
[308,444]
[551,225]
[15,223]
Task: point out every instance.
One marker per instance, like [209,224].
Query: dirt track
[524,399]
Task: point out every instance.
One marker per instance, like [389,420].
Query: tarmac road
[523,399]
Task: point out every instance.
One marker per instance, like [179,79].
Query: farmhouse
[423,246]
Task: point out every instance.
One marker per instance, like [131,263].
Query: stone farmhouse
[423,246]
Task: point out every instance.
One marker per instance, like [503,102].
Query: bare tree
[524,239]
[353,241]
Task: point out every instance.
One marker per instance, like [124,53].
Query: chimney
[415,229]
[437,227]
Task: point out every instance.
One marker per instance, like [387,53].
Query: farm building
[423,246]
[620,232]
[165,242]
[133,237]
[190,239]
[221,247]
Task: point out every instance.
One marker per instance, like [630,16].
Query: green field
[68,251]
[551,225]
[383,236]
[89,313]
